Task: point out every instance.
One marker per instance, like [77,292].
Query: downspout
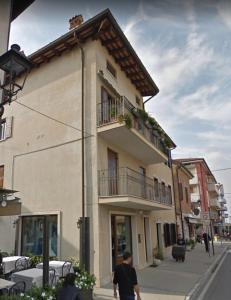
[174,187]
[84,245]
[148,100]
[82,125]
[181,214]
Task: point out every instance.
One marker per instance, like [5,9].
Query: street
[220,287]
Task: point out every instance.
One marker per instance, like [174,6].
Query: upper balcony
[120,123]
[212,188]
[125,187]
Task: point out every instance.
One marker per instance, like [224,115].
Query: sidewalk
[171,280]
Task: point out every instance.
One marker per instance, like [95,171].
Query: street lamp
[13,63]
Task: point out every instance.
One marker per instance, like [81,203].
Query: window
[156,188]
[169,189]
[111,69]
[32,235]
[163,190]
[1,176]
[180,189]
[3,130]
[186,195]
[138,101]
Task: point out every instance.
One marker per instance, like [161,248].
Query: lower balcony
[214,202]
[127,188]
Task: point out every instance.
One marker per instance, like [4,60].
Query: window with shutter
[9,122]
[2,129]
[180,191]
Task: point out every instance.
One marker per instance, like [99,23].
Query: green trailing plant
[142,114]
[125,118]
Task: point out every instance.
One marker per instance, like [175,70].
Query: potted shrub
[85,282]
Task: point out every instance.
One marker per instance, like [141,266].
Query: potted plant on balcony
[126,118]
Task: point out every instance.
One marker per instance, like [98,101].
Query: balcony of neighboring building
[212,188]
[214,202]
[195,197]
[127,188]
[194,180]
[119,123]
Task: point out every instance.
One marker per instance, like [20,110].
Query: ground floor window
[121,237]
[32,235]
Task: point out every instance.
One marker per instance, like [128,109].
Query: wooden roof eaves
[95,26]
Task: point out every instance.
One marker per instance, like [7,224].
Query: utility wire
[51,118]
[225,169]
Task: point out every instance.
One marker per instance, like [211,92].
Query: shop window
[173,233]
[111,69]
[167,240]
[32,235]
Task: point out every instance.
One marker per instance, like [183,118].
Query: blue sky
[185,45]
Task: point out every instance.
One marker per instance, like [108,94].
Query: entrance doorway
[121,235]
[112,172]
[147,239]
[159,236]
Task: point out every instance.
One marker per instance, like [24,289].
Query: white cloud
[224,11]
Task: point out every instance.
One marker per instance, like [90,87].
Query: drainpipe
[181,214]
[148,99]
[83,222]
[174,190]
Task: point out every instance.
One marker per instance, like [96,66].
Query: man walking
[125,277]
[206,239]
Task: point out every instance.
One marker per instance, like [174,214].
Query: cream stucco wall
[43,158]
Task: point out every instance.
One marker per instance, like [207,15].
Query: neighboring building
[204,191]
[9,10]
[186,216]
[128,180]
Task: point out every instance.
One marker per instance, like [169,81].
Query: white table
[30,277]
[8,263]
[58,267]
[5,284]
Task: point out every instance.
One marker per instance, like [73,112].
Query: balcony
[127,188]
[195,197]
[212,188]
[214,202]
[118,122]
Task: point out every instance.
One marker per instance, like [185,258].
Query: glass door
[121,238]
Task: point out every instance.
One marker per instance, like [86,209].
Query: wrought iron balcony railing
[114,110]
[127,182]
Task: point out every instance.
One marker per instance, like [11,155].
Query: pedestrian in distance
[180,240]
[126,279]
[206,239]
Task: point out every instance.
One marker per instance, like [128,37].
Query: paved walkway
[170,280]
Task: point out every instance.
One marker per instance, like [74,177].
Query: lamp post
[13,63]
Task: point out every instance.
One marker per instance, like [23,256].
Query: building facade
[128,179]
[186,217]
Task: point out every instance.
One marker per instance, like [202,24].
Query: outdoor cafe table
[30,277]
[9,263]
[5,284]
[57,266]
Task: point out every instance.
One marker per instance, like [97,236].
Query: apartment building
[204,191]
[186,216]
[128,184]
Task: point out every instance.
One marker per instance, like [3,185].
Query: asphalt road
[220,288]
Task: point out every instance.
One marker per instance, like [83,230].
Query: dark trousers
[128,297]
